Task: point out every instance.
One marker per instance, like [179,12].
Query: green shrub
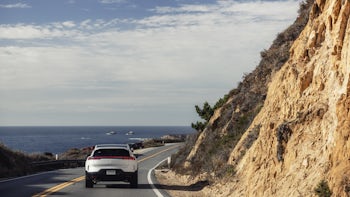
[206,112]
[230,170]
[199,126]
[323,190]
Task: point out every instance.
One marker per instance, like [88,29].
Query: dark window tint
[111,152]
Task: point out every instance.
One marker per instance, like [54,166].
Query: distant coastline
[59,139]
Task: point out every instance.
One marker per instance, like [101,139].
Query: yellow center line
[158,153]
[59,187]
[76,180]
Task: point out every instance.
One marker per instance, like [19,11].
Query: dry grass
[14,163]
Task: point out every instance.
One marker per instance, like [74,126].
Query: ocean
[59,139]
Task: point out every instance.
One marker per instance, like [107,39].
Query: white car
[111,162]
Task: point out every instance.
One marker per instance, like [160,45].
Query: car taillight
[122,157]
[129,158]
[112,157]
[93,158]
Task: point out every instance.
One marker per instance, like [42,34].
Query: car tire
[134,180]
[88,182]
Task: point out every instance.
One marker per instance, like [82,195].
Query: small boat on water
[111,133]
[129,133]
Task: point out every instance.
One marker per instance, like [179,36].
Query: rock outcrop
[305,120]
[300,135]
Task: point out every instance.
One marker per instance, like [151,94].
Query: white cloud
[85,23]
[29,32]
[112,1]
[23,32]
[225,12]
[17,5]
[183,8]
[172,60]
[68,24]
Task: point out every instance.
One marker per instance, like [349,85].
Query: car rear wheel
[88,182]
[134,180]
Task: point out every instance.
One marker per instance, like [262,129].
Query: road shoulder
[180,185]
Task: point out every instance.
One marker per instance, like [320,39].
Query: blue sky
[127,62]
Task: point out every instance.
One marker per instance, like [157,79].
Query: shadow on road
[194,187]
[31,185]
[138,155]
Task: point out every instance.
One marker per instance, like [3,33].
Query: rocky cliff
[295,134]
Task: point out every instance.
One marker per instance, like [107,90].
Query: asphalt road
[71,182]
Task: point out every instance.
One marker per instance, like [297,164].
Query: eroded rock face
[309,95]
[301,134]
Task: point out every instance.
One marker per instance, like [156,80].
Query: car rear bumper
[102,175]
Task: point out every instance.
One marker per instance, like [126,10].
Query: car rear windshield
[111,152]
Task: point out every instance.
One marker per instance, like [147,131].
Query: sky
[128,62]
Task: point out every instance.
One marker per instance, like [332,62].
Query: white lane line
[155,190]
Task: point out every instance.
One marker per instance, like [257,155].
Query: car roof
[112,146]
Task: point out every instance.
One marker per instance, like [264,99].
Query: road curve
[69,182]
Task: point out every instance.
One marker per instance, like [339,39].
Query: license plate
[111,172]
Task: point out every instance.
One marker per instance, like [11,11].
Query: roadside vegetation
[206,112]
[237,110]
[322,189]
[16,163]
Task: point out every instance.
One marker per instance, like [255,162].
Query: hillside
[231,121]
[15,163]
[285,128]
